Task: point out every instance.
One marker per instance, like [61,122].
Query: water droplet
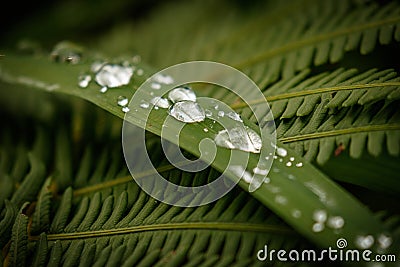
[291,158]
[67,52]
[216,107]
[187,111]
[281,152]
[296,213]
[320,216]
[182,94]
[103,89]
[384,241]
[136,59]
[335,222]
[205,130]
[318,227]
[281,199]
[289,163]
[240,138]
[267,180]
[260,171]
[234,116]
[155,86]
[113,76]
[364,242]
[164,79]
[139,72]
[160,102]
[122,101]
[300,164]
[144,104]
[221,113]
[208,113]
[125,109]
[84,80]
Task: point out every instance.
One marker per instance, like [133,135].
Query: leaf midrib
[223,226]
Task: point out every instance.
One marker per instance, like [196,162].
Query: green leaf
[19,240]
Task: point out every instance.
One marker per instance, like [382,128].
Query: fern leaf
[19,240]
[41,251]
[56,254]
[7,222]
[41,216]
[61,217]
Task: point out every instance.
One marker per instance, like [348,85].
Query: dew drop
[281,152]
[335,222]
[221,113]
[144,105]
[260,171]
[205,130]
[384,241]
[280,199]
[103,89]
[164,79]
[182,94]
[318,227]
[67,52]
[160,102]
[289,163]
[240,138]
[320,216]
[187,111]
[300,164]
[155,86]
[364,242]
[122,101]
[267,180]
[234,116]
[125,109]
[136,59]
[291,158]
[139,72]
[208,113]
[84,80]
[296,213]
[113,76]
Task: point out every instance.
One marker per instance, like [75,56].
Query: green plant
[67,196]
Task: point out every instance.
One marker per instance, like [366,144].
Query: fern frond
[19,240]
[41,216]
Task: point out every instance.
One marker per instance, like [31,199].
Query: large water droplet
[164,79]
[113,75]
[160,102]
[320,216]
[84,80]
[241,138]
[122,101]
[187,111]
[182,94]
[336,222]
[364,242]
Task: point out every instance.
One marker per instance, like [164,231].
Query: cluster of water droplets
[383,241]
[321,219]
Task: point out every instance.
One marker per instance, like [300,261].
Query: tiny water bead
[300,164]
[160,102]
[205,130]
[291,158]
[67,52]
[125,109]
[234,116]
[318,227]
[335,222]
[164,79]
[111,75]
[122,101]
[208,113]
[364,242]
[155,86]
[289,163]
[296,213]
[84,80]
[281,200]
[241,138]
[139,72]
[187,111]
[281,152]
[144,105]
[320,216]
[103,89]
[221,113]
[384,241]
[182,94]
